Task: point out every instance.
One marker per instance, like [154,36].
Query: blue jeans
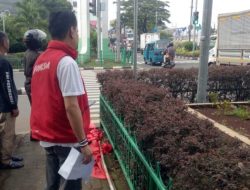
[55,157]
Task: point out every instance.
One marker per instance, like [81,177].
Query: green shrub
[241,112]
[188,46]
[183,52]
[17,47]
[16,60]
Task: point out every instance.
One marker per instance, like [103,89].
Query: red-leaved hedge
[231,83]
[191,151]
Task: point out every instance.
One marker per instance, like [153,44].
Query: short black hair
[3,36]
[60,22]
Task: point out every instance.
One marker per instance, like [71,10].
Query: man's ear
[71,32]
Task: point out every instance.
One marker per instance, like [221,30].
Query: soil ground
[115,172]
[240,125]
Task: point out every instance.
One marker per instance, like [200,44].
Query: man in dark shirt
[8,109]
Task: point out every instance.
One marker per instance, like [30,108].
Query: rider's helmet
[34,39]
[170,44]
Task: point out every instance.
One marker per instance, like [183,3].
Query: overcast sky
[180,10]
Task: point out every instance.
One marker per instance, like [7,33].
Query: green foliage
[16,60]
[183,52]
[213,97]
[146,14]
[227,108]
[93,42]
[188,46]
[30,14]
[241,112]
[186,49]
[166,35]
[17,47]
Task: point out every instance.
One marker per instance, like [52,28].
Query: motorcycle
[167,63]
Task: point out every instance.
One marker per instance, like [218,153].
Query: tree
[93,42]
[56,5]
[147,10]
[113,23]
[35,13]
[31,14]
[166,35]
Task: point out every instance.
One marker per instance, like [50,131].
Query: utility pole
[135,37]
[3,17]
[205,39]
[196,3]
[191,22]
[118,31]
[156,19]
[98,14]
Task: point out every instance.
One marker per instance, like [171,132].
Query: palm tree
[31,14]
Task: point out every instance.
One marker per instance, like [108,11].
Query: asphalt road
[19,79]
[179,63]
[22,122]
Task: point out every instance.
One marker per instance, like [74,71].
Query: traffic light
[92,6]
[195,17]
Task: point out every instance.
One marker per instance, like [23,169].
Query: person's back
[30,57]
[8,109]
[60,115]
[33,41]
[171,53]
[5,106]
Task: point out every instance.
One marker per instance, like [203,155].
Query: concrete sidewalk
[32,175]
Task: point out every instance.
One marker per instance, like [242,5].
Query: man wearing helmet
[169,55]
[33,40]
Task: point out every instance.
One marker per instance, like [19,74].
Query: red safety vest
[48,120]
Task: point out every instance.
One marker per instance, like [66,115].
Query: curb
[18,70]
[106,68]
[91,68]
[187,58]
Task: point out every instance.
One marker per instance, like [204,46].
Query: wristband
[83,143]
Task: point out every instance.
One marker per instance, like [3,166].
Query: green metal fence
[138,170]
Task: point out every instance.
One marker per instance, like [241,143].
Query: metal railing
[138,170]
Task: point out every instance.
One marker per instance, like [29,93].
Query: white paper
[73,168]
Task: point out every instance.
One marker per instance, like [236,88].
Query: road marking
[93,89]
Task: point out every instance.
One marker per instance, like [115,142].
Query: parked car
[153,52]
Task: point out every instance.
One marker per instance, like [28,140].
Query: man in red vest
[60,114]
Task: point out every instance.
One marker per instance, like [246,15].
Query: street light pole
[191,22]
[118,31]
[196,3]
[135,37]
[205,39]
[98,14]
[3,17]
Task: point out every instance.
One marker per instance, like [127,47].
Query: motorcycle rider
[169,55]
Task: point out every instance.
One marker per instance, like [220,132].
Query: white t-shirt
[71,84]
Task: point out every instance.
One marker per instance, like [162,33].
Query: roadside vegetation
[186,49]
[190,150]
